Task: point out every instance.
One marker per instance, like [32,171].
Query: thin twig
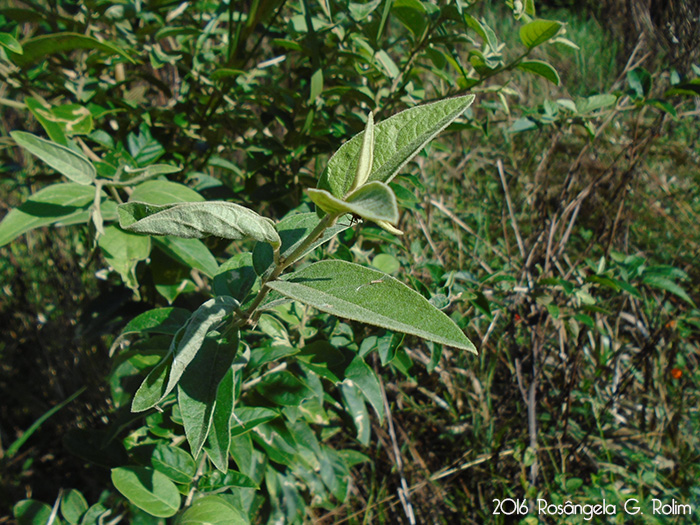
[514,224]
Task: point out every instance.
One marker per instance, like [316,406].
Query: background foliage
[557,229]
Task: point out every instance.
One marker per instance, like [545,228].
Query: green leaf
[358,411]
[31,512]
[542,69]
[386,263]
[215,480]
[152,390]
[64,160]
[236,276]
[190,338]
[37,48]
[219,439]
[375,201]
[389,66]
[95,514]
[639,80]
[354,292]
[174,462]
[292,230]
[247,418]
[163,191]
[56,203]
[690,88]
[148,489]
[284,388]
[316,85]
[359,10]
[211,510]
[193,253]
[10,43]
[43,114]
[158,321]
[396,141]
[73,506]
[197,220]
[595,102]
[139,175]
[666,284]
[412,15]
[198,386]
[123,251]
[74,119]
[364,378]
[538,32]
[663,106]
[365,155]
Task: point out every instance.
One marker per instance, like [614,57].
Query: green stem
[282,264]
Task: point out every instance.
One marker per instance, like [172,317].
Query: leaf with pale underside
[358,293]
[197,220]
[375,201]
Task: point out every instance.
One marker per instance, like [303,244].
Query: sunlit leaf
[396,141]
[354,292]
[538,32]
[375,201]
[197,220]
[67,162]
[148,489]
[211,510]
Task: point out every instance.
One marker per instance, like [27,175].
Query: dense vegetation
[553,220]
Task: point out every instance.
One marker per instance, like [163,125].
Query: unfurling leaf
[364,157]
[396,141]
[197,220]
[374,201]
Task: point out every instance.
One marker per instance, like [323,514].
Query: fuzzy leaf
[366,154]
[219,438]
[375,201]
[197,220]
[396,141]
[198,386]
[354,292]
[67,162]
[204,319]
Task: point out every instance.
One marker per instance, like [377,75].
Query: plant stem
[282,264]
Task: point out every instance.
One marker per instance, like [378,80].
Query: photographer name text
[631,506]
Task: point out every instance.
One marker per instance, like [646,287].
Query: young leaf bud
[364,158]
